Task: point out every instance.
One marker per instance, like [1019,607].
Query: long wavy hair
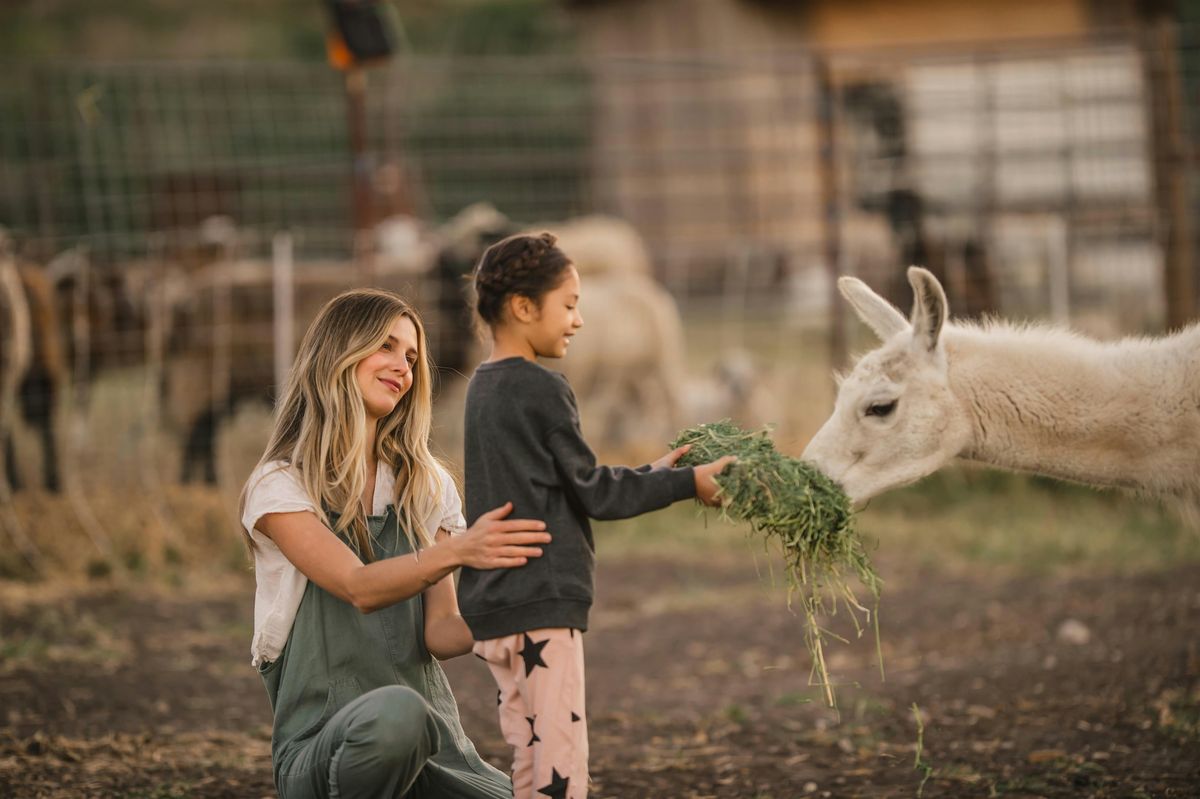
[321,423]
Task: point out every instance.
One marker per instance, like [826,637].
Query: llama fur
[1030,398]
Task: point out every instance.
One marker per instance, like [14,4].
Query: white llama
[1029,398]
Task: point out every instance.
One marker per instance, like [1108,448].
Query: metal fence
[1050,179]
[1041,159]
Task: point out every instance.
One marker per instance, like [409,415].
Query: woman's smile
[391,367]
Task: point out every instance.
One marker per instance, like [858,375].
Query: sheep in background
[626,363]
[33,371]
[220,347]
[736,390]
[103,313]
[446,298]
[599,244]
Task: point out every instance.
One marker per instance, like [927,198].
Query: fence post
[283,294]
[361,169]
[831,211]
[1171,167]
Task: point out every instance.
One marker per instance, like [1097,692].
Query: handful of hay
[789,500]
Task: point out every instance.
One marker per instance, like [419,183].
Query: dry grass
[128,463]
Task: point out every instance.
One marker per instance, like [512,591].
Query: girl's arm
[619,492]
[446,634]
[613,492]
[325,559]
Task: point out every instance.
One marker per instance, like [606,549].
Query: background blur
[174,177]
[182,185]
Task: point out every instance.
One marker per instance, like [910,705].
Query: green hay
[791,503]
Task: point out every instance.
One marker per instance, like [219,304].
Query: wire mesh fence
[144,204]
[715,160]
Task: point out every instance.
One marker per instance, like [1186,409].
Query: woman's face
[386,375]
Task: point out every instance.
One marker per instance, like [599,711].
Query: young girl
[350,521]
[523,442]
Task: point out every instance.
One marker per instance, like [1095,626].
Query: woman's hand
[491,543]
[671,458]
[706,487]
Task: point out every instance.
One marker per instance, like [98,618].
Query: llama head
[895,419]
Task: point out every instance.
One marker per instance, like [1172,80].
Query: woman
[354,526]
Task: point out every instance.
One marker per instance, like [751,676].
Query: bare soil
[1038,686]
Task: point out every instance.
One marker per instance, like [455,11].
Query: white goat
[1029,398]
[599,244]
[736,389]
[626,363]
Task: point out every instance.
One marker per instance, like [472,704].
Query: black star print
[574,717]
[532,732]
[557,789]
[532,654]
[499,701]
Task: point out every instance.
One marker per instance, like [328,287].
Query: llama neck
[1051,403]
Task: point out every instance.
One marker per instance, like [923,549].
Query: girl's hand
[494,544]
[706,487]
[671,458]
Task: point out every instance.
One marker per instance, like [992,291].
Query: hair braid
[523,265]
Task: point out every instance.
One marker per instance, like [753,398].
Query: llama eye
[881,408]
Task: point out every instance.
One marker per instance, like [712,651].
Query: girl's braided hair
[525,265]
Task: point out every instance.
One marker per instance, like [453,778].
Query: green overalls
[362,709]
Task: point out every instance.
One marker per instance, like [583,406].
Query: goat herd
[204,324]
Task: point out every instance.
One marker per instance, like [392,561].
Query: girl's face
[386,375]
[558,318]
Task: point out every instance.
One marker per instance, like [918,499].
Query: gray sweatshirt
[523,445]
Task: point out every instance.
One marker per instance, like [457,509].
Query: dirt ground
[697,679]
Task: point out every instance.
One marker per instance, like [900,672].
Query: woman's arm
[446,634]
[325,559]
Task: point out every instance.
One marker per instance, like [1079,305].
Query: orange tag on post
[337,52]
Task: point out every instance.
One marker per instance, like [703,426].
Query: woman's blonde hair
[320,423]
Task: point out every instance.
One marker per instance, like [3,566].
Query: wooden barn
[1021,149]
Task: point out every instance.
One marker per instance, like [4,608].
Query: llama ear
[878,314]
[929,308]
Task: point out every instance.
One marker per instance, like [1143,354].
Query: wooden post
[360,166]
[284,305]
[1171,176]
[831,210]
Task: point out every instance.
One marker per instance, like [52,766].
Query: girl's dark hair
[529,266]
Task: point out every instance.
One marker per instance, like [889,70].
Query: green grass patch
[1179,714]
[971,515]
[803,513]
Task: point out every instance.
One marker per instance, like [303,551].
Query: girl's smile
[559,318]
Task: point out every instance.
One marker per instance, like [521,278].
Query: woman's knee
[399,724]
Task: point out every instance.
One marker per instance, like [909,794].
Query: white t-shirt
[276,488]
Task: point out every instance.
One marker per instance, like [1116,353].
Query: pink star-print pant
[541,699]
